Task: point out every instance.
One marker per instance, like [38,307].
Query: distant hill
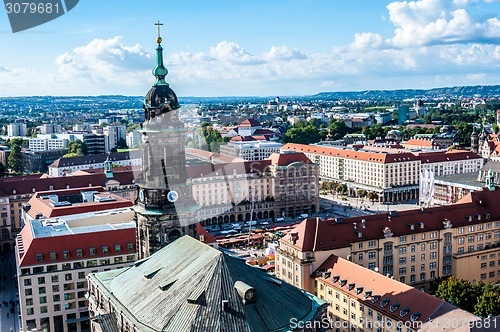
[437,93]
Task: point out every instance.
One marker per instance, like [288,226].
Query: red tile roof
[21,185]
[250,123]
[444,156]
[284,159]
[375,157]
[207,237]
[318,235]
[361,280]
[421,143]
[71,242]
[43,206]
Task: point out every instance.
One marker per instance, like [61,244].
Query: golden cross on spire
[158,40]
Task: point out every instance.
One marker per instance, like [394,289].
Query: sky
[254,48]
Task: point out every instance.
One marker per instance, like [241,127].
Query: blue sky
[258,47]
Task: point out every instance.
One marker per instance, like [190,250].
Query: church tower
[474,140]
[165,208]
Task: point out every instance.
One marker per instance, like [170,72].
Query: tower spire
[159,71]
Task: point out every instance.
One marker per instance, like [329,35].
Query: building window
[92,251]
[130,246]
[371,255]
[118,248]
[79,252]
[422,276]
[27,282]
[41,280]
[105,249]
[371,266]
[402,250]
[53,255]
[81,275]
[66,253]
[28,292]
[55,288]
[68,276]
[39,257]
[42,290]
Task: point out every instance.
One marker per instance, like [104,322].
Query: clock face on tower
[172,196]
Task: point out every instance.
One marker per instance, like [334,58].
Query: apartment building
[283,185]
[5,225]
[393,177]
[251,151]
[18,190]
[450,162]
[363,300]
[16,129]
[55,255]
[394,174]
[45,144]
[415,247]
[66,166]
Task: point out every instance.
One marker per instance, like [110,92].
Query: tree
[488,303]
[17,141]
[70,155]
[14,160]
[212,137]
[341,188]
[78,147]
[338,129]
[458,292]
[372,196]
[361,193]
[303,133]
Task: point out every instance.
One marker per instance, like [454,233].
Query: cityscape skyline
[212,49]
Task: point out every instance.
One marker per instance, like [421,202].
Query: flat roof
[467,179]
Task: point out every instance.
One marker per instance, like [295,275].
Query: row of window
[76,265]
[57,307]
[79,252]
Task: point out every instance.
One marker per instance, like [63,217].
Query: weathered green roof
[182,286]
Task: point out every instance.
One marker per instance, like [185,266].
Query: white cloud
[284,52]
[367,40]
[234,53]
[428,22]
[104,61]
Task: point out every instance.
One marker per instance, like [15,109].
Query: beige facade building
[416,247]
[393,174]
[363,300]
[283,185]
[54,256]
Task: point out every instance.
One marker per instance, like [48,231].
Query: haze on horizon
[258,48]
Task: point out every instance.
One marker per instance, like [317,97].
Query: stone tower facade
[474,141]
[165,208]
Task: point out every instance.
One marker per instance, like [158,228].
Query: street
[9,306]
